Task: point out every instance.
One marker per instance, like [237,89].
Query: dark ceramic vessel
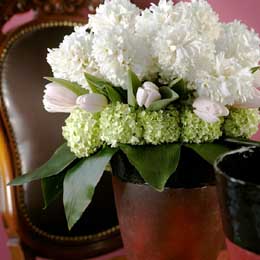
[239,194]
[182,222]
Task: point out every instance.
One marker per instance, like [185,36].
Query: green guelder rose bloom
[160,126]
[196,130]
[242,122]
[82,132]
[118,124]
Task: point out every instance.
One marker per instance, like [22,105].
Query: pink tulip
[209,110]
[58,98]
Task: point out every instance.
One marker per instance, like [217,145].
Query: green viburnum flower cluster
[121,123]
[82,131]
[242,122]
[160,126]
[195,130]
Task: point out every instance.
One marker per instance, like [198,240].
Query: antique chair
[29,135]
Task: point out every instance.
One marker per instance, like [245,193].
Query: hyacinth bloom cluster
[196,79]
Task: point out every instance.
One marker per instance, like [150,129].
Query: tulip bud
[147,94]
[58,98]
[209,110]
[92,102]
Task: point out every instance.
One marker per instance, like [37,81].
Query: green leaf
[96,84]
[102,87]
[255,69]
[154,163]
[73,86]
[51,188]
[180,87]
[168,96]
[122,93]
[133,84]
[209,151]
[80,182]
[240,141]
[174,82]
[113,95]
[62,158]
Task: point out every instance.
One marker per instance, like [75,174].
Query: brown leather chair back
[34,134]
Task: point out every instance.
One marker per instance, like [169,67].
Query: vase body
[178,223]
[239,195]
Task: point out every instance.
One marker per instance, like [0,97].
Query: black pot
[238,179]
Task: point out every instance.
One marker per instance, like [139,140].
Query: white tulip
[209,110]
[92,102]
[147,94]
[58,98]
[253,102]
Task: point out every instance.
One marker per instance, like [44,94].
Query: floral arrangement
[148,82]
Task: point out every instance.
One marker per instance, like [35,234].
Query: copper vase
[176,224]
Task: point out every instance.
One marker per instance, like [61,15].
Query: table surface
[222,256]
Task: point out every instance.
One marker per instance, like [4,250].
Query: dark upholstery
[38,133]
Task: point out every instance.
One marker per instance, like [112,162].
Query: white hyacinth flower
[253,102]
[92,102]
[58,98]
[256,81]
[238,41]
[147,94]
[226,81]
[209,110]
[73,57]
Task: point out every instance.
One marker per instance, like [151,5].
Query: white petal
[141,96]
[206,116]
[58,98]
[257,79]
[251,103]
[148,85]
[152,96]
[209,110]
[92,102]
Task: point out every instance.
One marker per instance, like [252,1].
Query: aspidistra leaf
[154,163]
[133,84]
[102,87]
[73,86]
[61,159]
[241,141]
[112,94]
[80,182]
[255,69]
[180,87]
[51,188]
[168,96]
[96,84]
[209,151]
